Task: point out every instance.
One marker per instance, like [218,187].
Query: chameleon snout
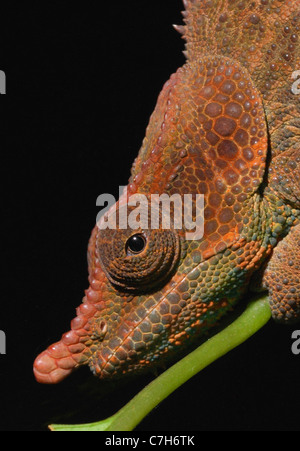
[54,364]
[60,359]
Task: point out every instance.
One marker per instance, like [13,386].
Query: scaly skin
[226,125]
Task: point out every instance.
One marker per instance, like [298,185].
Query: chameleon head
[138,307]
[152,290]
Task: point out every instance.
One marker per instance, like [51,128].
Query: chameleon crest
[226,125]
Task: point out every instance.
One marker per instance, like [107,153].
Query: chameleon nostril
[99,330]
[103,327]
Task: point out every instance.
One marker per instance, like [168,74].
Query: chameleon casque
[226,125]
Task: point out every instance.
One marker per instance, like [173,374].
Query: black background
[82,82]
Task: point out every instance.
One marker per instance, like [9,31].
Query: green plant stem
[256,315]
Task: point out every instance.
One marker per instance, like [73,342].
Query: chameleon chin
[226,125]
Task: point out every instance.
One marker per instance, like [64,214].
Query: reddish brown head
[153,291]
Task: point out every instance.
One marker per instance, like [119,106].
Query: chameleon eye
[139,260]
[135,244]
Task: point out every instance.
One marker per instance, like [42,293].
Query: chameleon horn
[61,358]
[54,364]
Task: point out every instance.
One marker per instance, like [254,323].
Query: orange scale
[215,237]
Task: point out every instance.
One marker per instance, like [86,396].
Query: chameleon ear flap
[282,279]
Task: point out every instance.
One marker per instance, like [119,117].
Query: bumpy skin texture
[226,125]
[282,278]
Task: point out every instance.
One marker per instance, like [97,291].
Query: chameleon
[226,125]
